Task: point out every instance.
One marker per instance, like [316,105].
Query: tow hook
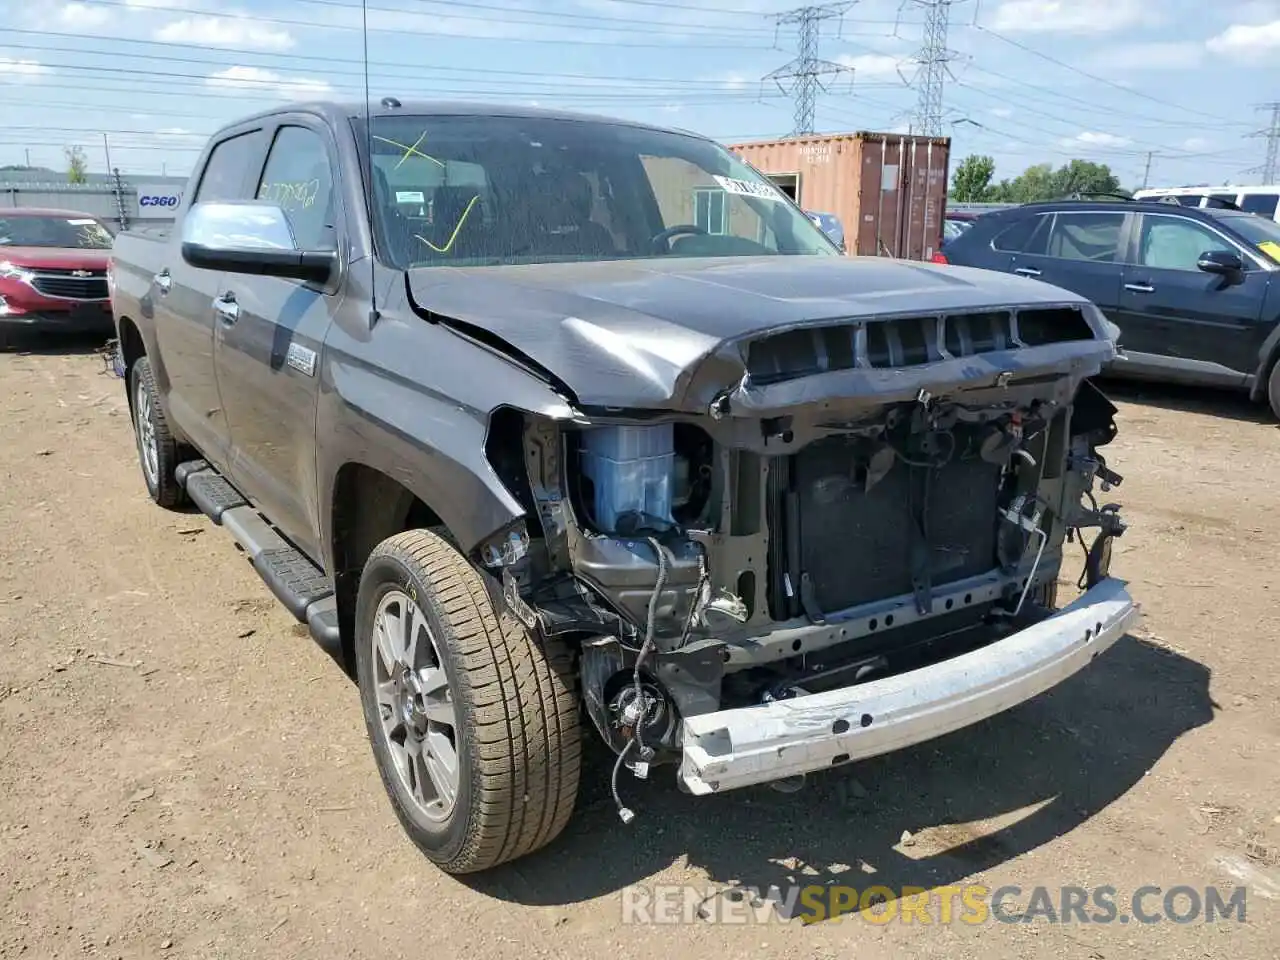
[789,784]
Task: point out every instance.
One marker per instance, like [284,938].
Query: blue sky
[1034,80]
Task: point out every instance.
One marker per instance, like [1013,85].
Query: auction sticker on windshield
[744,188]
[1271,249]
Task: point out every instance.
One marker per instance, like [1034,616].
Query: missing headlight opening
[711,564]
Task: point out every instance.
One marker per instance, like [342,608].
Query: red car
[53,271]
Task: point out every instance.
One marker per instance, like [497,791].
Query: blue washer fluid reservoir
[633,471]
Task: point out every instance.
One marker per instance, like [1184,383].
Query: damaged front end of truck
[834,540]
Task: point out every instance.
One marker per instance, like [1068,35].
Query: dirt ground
[184,773]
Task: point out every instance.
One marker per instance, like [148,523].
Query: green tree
[1034,183]
[972,179]
[1083,176]
[77,165]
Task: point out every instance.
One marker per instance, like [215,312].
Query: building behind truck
[889,190]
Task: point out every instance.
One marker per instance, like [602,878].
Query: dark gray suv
[1195,293]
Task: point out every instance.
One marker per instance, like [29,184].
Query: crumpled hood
[629,333]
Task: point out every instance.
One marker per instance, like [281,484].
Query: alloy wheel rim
[147,435]
[416,710]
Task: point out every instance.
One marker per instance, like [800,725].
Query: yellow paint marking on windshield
[1271,249]
[411,151]
[456,230]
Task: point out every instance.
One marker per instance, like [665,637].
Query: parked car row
[53,271]
[1193,290]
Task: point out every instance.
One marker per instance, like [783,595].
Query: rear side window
[1263,204]
[1024,236]
[227,175]
[1094,237]
[299,178]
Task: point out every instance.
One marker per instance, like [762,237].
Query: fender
[416,407]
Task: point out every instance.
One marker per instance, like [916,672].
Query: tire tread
[526,736]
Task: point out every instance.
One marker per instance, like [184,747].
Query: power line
[1092,76]
[317,24]
[1171,152]
[1131,118]
[807,70]
[1272,135]
[933,59]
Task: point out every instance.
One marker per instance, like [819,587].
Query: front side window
[70,233]
[299,178]
[484,191]
[224,175]
[1094,237]
[1171,243]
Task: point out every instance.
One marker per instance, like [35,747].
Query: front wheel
[473,722]
[1273,389]
[157,450]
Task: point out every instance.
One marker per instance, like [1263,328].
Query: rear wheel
[157,450]
[473,722]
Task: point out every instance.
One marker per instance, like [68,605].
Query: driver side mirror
[1220,262]
[250,237]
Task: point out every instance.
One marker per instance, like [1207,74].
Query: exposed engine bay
[719,562]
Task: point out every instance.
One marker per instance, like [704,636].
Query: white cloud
[224,31]
[22,69]
[1092,138]
[732,81]
[268,83]
[870,65]
[82,16]
[1069,16]
[1196,143]
[1001,112]
[1250,41]
[1172,55]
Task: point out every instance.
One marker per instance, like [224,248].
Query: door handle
[227,309]
[1027,271]
[1140,287]
[163,281]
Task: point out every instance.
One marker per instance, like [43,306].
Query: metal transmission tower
[932,59]
[1271,166]
[807,70]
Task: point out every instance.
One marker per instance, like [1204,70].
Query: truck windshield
[73,233]
[465,191]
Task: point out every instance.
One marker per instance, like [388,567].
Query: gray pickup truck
[551,421]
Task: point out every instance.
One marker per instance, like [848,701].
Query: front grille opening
[915,344]
[1056,325]
[908,341]
[71,288]
[988,331]
[801,353]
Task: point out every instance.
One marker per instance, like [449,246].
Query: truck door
[183,297]
[1207,326]
[269,336]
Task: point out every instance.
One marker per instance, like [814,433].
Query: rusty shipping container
[888,189]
